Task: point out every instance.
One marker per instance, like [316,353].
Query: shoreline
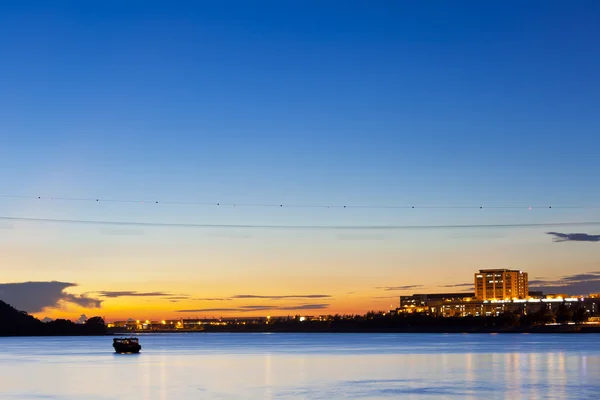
[554,329]
[536,331]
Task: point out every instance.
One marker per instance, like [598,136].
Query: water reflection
[312,366]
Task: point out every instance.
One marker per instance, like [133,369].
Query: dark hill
[18,323]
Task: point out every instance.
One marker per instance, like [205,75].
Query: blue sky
[423,103]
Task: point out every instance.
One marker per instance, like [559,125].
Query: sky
[162,110]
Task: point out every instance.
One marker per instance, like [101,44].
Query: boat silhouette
[127,345]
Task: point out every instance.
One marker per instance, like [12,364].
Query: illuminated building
[501,284]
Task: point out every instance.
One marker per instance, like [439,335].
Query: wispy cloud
[250,308]
[573,237]
[305,307]
[466,285]
[289,296]
[133,293]
[200,310]
[33,297]
[405,287]
[265,297]
[576,284]
[176,299]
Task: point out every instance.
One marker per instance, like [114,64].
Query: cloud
[576,284]
[82,319]
[581,277]
[198,310]
[132,293]
[251,308]
[305,307]
[573,237]
[265,297]
[460,286]
[176,299]
[256,308]
[406,287]
[33,297]
[173,298]
[299,296]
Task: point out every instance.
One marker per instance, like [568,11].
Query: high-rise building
[501,284]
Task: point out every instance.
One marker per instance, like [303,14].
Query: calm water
[304,366]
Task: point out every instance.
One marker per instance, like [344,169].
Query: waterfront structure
[520,306]
[505,284]
[448,306]
[496,291]
[431,302]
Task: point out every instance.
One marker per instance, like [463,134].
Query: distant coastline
[380,323]
[559,329]
[18,323]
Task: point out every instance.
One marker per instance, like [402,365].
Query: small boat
[126,345]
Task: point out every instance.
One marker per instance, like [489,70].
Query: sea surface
[304,366]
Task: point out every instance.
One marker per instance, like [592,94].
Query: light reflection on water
[304,366]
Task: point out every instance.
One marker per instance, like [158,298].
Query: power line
[282,205]
[294,227]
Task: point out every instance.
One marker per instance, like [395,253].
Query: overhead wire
[292,205]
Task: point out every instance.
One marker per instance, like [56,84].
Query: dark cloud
[581,277]
[457,285]
[176,299]
[460,286]
[405,287]
[265,297]
[33,297]
[199,310]
[256,308]
[577,284]
[305,307]
[299,296]
[573,237]
[133,293]
[250,308]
